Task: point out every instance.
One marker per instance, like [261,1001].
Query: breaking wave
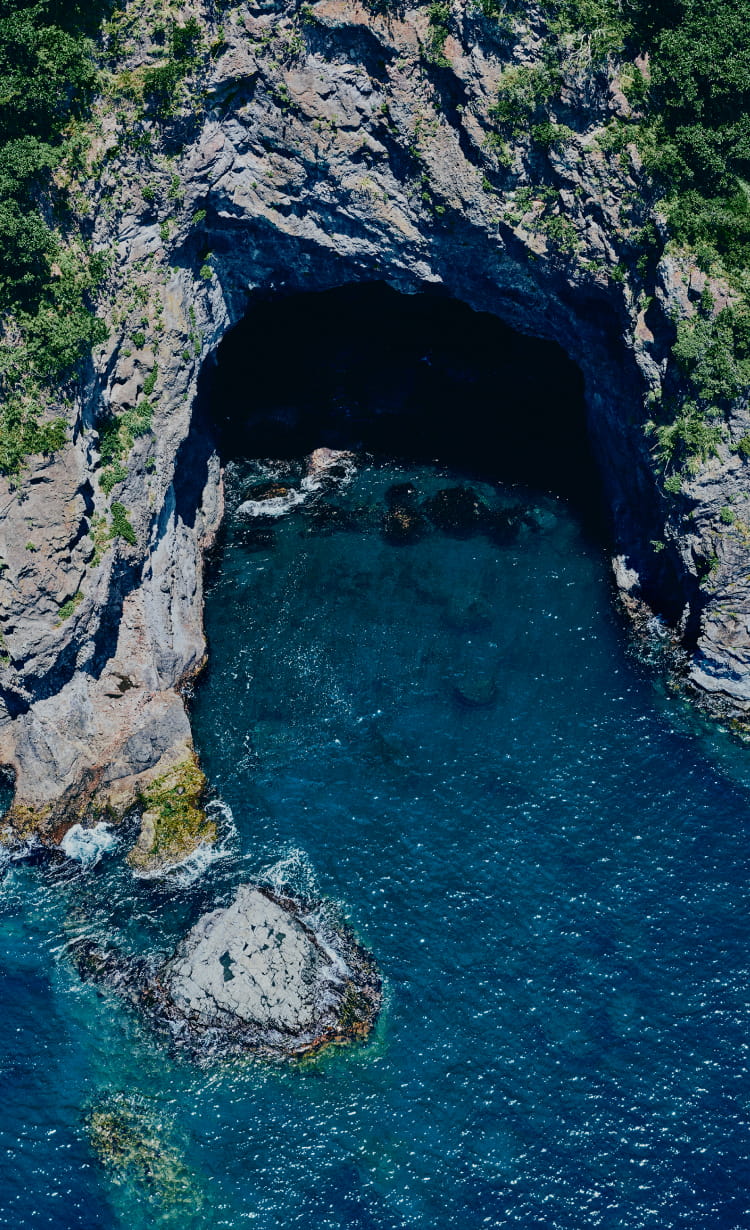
[88,845]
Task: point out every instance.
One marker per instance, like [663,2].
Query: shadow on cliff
[415,377]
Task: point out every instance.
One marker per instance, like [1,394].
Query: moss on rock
[173,822]
[23,821]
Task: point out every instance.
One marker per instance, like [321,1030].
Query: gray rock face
[254,963]
[318,146]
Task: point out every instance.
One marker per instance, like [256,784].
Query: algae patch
[173,822]
[134,1146]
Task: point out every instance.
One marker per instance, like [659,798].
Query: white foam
[276,507]
[196,863]
[658,628]
[326,468]
[292,875]
[87,845]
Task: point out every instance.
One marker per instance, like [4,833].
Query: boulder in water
[255,975]
[457,510]
[403,525]
[327,465]
[403,522]
[268,490]
[270,500]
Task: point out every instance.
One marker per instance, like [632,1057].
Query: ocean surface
[453,742]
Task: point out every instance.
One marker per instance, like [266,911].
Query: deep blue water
[555,884]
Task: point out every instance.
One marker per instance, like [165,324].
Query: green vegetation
[692,105]
[687,439]
[113,475]
[560,232]
[174,822]
[149,385]
[67,608]
[48,75]
[522,94]
[439,15]
[685,69]
[551,136]
[121,527]
[160,82]
[100,537]
[713,354]
[47,79]
[118,433]
[743,447]
[495,11]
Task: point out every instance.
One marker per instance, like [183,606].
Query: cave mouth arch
[418,377]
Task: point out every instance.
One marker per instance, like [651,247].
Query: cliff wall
[303,148]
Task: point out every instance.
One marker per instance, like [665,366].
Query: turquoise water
[554,882]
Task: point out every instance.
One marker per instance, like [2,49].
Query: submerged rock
[403,522]
[468,614]
[504,524]
[253,976]
[401,495]
[129,1140]
[457,510]
[475,691]
[403,525]
[268,490]
[327,518]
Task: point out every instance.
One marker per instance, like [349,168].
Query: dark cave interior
[420,377]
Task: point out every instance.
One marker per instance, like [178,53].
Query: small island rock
[255,975]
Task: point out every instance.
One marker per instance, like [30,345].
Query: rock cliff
[304,148]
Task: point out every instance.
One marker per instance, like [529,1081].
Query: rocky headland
[303,148]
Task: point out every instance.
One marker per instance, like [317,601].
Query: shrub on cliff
[47,77]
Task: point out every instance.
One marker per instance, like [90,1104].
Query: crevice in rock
[7,787]
[350,44]
[125,578]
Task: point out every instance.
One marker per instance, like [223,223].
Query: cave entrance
[414,377]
